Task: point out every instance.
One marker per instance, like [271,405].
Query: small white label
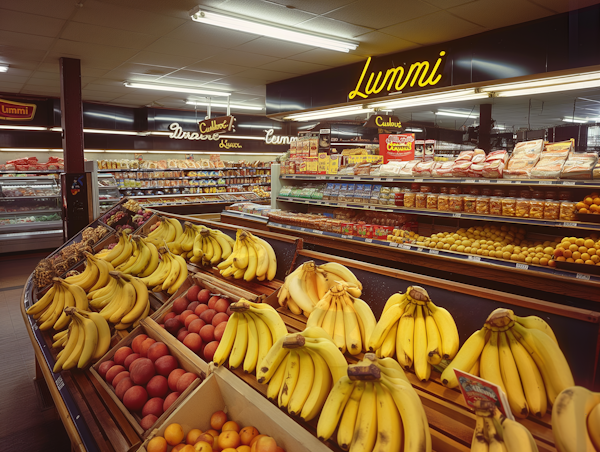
[420,248]
[372,207]
[522,266]
[484,181]
[346,236]
[35,327]
[569,183]
[405,247]
[369,240]
[434,251]
[342,204]
[288,226]
[456,215]
[394,244]
[516,182]
[571,225]
[474,258]
[389,179]
[317,232]
[377,178]
[59,383]
[582,276]
[418,180]
[303,229]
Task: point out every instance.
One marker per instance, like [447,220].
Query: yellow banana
[303,387]
[320,389]
[348,420]
[251,358]
[466,357]
[290,380]
[72,341]
[511,379]
[334,407]
[236,358]
[43,302]
[225,346]
[421,365]
[141,300]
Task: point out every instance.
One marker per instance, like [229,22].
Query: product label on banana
[475,390]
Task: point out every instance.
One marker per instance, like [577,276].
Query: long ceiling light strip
[457,114]
[329,113]
[221,105]
[23,127]
[271,30]
[543,82]
[431,99]
[547,89]
[175,89]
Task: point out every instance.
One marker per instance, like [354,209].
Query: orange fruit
[157,444]
[584,211]
[255,439]
[174,434]
[561,259]
[217,420]
[247,434]
[595,258]
[232,425]
[582,249]
[179,447]
[585,256]
[187,448]
[597,200]
[580,205]
[573,248]
[229,438]
[203,446]
[229,449]
[543,261]
[551,263]
[588,243]
[570,259]
[576,255]
[212,432]
[588,200]
[243,448]
[590,262]
[567,253]
[579,261]
[192,436]
[594,208]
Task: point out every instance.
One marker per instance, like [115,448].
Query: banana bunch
[95,274]
[375,408]
[168,231]
[49,310]
[495,432]
[417,331]
[170,273]
[86,341]
[347,319]
[209,246]
[300,370]
[143,260]
[250,333]
[123,301]
[576,420]
[305,286]
[251,257]
[121,253]
[519,354]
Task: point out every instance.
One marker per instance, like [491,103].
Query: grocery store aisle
[26,424]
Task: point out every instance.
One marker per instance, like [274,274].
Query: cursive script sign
[16,111]
[178,134]
[271,138]
[222,124]
[384,122]
[224,144]
[396,78]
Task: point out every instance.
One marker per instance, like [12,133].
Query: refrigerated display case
[108,192]
[30,214]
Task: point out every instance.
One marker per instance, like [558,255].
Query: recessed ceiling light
[175,89]
[3,67]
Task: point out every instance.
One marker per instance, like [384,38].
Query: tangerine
[157,444]
[588,200]
[174,434]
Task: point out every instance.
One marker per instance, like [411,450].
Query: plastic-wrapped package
[528,150]
[442,169]
[596,171]
[478,156]
[461,168]
[579,166]
[392,168]
[406,171]
[493,169]
[423,169]
[476,170]
[519,168]
[560,149]
[465,155]
[549,166]
[497,155]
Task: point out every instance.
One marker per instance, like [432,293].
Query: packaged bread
[579,165]
[478,156]
[461,168]
[442,169]
[493,169]
[406,170]
[549,166]
[528,150]
[476,170]
[423,169]
[465,155]
[562,148]
[497,155]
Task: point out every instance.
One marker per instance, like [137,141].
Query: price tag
[456,215]
[389,179]
[346,236]
[377,178]
[582,276]
[484,181]
[342,204]
[303,229]
[516,182]
[35,327]
[288,226]
[369,240]
[394,244]
[59,382]
[434,251]
[405,247]
[372,207]
[317,232]
[569,183]
[571,225]
[474,258]
[420,248]
[522,266]
[418,180]
[388,210]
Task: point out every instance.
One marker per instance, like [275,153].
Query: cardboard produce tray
[183,360]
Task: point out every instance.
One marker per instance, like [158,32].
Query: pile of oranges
[579,250]
[590,204]
[223,436]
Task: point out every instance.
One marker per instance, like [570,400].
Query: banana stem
[294,341]
[366,373]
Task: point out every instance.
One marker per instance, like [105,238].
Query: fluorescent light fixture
[25,150]
[456,114]
[55,129]
[175,89]
[161,134]
[413,129]
[310,126]
[329,113]
[580,120]
[125,152]
[430,99]
[242,137]
[222,105]
[546,85]
[111,132]
[3,67]
[276,31]
[257,126]
[23,128]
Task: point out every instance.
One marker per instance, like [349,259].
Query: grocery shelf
[450,180]
[40,197]
[190,186]
[151,170]
[109,199]
[32,227]
[31,212]
[437,213]
[539,269]
[196,177]
[108,187]
[31,172]
[252,216]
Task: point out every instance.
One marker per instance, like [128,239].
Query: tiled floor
[25,424]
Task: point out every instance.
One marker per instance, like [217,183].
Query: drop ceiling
[156,41]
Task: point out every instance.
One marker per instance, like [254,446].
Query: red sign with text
[397,146]
[16,111]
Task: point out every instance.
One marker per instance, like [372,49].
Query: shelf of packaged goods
[146,170]
[108,187]
[352,143]
[110,200]
[31,212]
[195,203]
[250,216]
[536,269]
[39,198]
[25,178]
[30,227]
[196,178]
[31,172]
[451,180]
[437,213]
[194,186]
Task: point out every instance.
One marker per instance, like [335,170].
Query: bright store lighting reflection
[175,89]
[413,129]
[22,127]
[580,120]
[219,105]
[257,126]
[3,67]
[456,114]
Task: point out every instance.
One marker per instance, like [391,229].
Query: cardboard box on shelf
[322,163]
[356,159]
[224,391]
[334,164]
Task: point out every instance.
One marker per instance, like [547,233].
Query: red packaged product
[347,229]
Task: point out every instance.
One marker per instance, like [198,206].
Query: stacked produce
[305,286]
[250,333]
[495,432]
[198,319]
[300,370]
[519,354]
[579,250]
[169,274]
[146,378]
[347,319]
[202,245]
[164,231]
[143,259]
[252,257]
[95,274]
[223,434]
[576,420]
[375,408]
[86,340]
[417,331]
[590,204]
[49,311]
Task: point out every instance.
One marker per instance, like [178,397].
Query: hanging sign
[384,122]
[222,124]
[225,144]
[397,147]
[16,111]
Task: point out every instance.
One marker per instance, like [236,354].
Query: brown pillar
[71,118]
[485,127]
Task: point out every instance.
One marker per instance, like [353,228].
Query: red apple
[204,296]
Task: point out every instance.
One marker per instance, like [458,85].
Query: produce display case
[30,213]
[108,192]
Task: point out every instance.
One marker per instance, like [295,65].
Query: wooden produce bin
[223,391]
[183,360]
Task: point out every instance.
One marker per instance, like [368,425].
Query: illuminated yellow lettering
[394,71]
[356,91]
[435,81]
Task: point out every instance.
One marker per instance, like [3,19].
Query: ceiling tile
[162,59]
[493,14]
[212,67]
[98,96]
[6,77]
[174,8]
[109,86]
[47,75]
[77,31]
[266,11]
[96,55]
[19,71]
[381,13]
[123,18]
[437,27]
[139,99]
[260,90]
[445,4]
[43,82]
[315,6]
[561,6]
[233,83]
[27,41]
[377,43]
[241,58]
[40,90]
[10,54]
[60,9]
[183,48]
[333,28]
[202,33]
[294,67]
[10,86]
[32,23]
[142,69]
[273,47]
[189,77]
[327,57]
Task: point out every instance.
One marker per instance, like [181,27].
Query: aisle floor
[28,420]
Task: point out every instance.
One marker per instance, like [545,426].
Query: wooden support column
[485,127]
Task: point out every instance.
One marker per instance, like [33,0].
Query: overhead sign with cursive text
[271,138]
[222,124]
[16,111]
[384,122]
